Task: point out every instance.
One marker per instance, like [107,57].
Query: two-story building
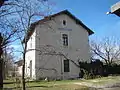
[54,43]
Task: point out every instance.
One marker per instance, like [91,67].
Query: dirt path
[113,86]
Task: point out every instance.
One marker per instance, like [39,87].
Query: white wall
[50,34]
[30,56]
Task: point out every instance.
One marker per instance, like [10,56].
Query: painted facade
[55,39]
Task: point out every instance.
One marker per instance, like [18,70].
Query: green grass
[64,84]
[60,87]
[49,86]
[105,80]
[52,85]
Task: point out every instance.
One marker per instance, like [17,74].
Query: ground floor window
[66,66]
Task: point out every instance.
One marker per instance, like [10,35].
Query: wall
[30,56]
[48,36]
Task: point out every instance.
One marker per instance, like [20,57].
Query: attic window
[64,22]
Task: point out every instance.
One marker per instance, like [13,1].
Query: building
[18,67]
[55,44]
[115,9]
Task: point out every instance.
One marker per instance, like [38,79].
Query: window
[65,39]
[64,22]
[66,66]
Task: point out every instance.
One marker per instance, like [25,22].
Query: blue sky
[93,14]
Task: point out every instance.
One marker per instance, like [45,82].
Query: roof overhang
[115,9]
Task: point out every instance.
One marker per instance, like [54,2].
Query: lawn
[65,84]
[53,85]
[44,85]
[105,80]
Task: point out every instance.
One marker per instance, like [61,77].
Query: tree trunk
[23,73]
[1,63]
[1,74]
[23,68]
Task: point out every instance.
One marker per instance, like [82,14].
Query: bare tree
[8,59]
[108,50]
[6,38]
[16,17]
[31,11]
[7,7]
[7,31]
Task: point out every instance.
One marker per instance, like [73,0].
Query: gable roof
[19,63]
[33,25]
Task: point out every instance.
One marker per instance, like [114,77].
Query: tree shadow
[40,86]
[17,88]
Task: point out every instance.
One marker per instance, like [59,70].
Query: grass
[60,87]
[64,84]
[105,80]
[52,85]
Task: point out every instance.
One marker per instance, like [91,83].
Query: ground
[104,83]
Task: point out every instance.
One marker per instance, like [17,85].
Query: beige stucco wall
[50,34]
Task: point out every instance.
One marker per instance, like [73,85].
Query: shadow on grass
[39,86]
[27,87]
[9,82]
